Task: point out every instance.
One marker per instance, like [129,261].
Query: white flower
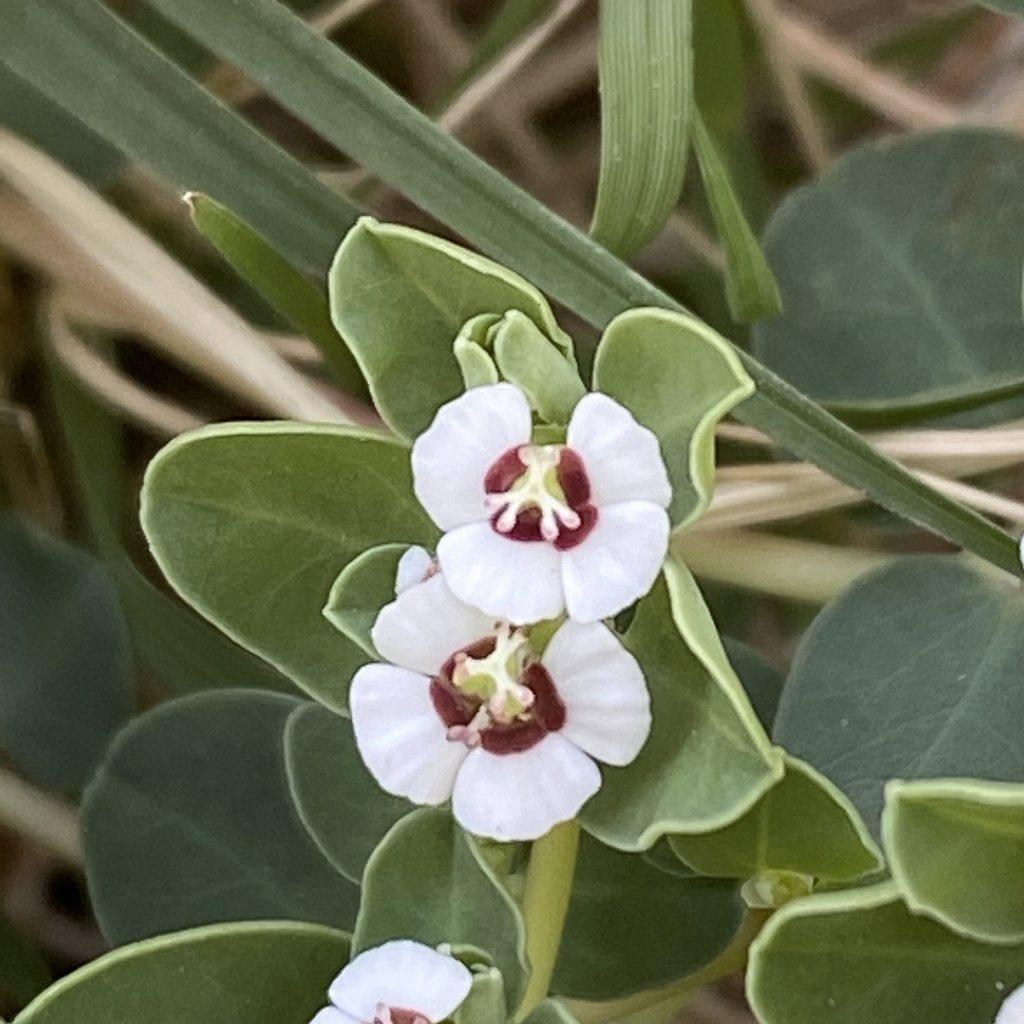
[1012,1010]
[466,711]
[401,982]
[535,529]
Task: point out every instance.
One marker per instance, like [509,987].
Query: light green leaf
[551,1011]
[400,298]
[528,359]
[485,1003]
[752,291]
[342,101]
[900,272]
[87,61]
[428,881]
[679,378]
[276,280]
[339,801]
[365,585]
[858,956]
[707,761]
[632,927]
[185,652]
[265,973]
[190,821]
[956,847]
[251,523]
[646,79]
[803,825]
[913,673]
[66,674]
[471,354]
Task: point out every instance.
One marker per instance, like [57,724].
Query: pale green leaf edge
[160,942]
[897,792]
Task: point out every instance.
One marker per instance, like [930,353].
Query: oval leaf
[859,956]
[679,378]
[913,673]
[189,821]
[251,523]
[956,847]
[265,973]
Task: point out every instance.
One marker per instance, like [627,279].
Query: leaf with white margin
[339,801]
[678,377]
[365,585]
[251,973]
[804,825]
[252,522]
[956,847]
[400,297]
[707,760]
[861,955]
[428,881]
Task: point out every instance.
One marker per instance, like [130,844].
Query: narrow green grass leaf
[357,112]
[80,55]
[749,283]
[646,68]
[288,290]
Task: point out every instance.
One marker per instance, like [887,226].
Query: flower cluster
[500,686]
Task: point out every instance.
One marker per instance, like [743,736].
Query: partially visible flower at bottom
[467,711]
[1012,1010]
[401,982]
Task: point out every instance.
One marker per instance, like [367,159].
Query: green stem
[545,904]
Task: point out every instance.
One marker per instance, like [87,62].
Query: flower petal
[1012,1010]
[510,579]
[403,975]
[617,563]
[400,736]
[623,459]
[452,456]
[523,796]
[332,1015]
[413,567]
[426,625]
[607,707]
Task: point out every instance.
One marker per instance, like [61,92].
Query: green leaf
[66,674]
[859,956]
[266,973]
[956,847]
[185,652]
[365,118]
[900,272]
[428,881]
[485,1003]
[288,290]
[551,1011]
[339,801]
[632,927]
[707,761]
[646,79]
[751,289]
[679,378]
[80,55]
[23,971]
[913,673]
[400,298]
[720,69]
[251,523]
[365,585]
[803,825]
[762,681]
[527,358]
[190,821]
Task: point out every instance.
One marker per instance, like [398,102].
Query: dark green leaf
[66,674]
[339,801]
[761,680]
[913,673]
[23,971]
[645,60]
[632,927]
[190,821]
[266,973]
